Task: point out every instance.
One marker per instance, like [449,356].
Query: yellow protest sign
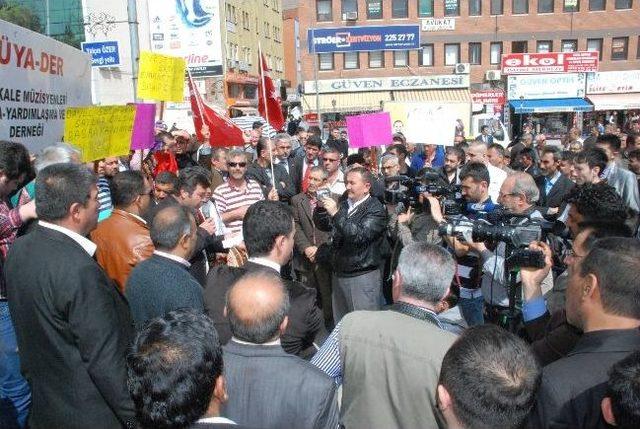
[161,77]
[99,131]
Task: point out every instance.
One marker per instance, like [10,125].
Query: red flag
[222,132]
[271,108]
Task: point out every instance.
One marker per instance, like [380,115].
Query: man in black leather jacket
[358,227]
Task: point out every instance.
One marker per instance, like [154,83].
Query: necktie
[305,179]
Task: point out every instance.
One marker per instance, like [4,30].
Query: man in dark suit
[191,393]
[624,181]
[311,243]
[72,324]
[528,162]
[268,235]
[219,171]
[283,153]
[553,185]
[268,387]
[484,135]
[261,171]
[163,283]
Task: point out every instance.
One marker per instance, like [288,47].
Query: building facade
[60,19]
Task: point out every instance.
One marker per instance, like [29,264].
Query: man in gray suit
[624,181]
[268,387]
[388,361]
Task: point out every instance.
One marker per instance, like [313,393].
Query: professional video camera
[408,192]
[516,236]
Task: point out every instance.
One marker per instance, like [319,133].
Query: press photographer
[474,187]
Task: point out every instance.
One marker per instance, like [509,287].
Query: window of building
[374,9]
[400,58]
[495,52]
[451,7]
[544,46]
[569,45]
[326,61]
[520,7]
[595,45]
[624,4]
[475,53]
[497,7]
[475,7]
[425,8]
[451,54]
[400,9]
[545,6]
[426,55]
[349,6]
[619,47]
[351,60]
[323,10]
[571,6]
[597,4]
[519,47]
[376,59]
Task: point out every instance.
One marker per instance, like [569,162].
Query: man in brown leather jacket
[123,239]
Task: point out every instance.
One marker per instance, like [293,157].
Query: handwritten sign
[142,135]
[100,131]
[373,129]
[161,77]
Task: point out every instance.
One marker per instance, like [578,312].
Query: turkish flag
[221,131]
[271,108]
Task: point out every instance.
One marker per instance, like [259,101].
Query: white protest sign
[39,78]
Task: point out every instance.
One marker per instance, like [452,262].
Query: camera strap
[415,312]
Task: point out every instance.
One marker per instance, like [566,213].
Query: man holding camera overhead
[518,195]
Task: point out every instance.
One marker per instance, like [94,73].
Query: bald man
[263,381]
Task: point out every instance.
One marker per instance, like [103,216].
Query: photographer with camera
[474,179]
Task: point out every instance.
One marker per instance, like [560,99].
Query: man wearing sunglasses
[234,197]
[331,163]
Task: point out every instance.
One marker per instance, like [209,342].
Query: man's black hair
[14,160]
[167,178]
[458,152]
[492,377]
[623,389]
[634,154]
[483,127]
[366,175]
[263,223]
[169,225]
[528,152]
[498,148]
[476,171]
[400,149]
[355,158]
[262,145]
[126,186]
[164,135]
[567,155]
[615,262]
[598,202]
[611,140]
[593,157]
[314,141]
[553,151]
[300,129]
[59,186]
[191,177]
[172,369]
[256,125]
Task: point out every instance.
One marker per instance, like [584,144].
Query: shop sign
[438,24]
[487,96]
[369,38]
[613,82]
[546,86]
[550,62]
[388,83]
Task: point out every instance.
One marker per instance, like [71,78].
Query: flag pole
[266,112]
[193,89]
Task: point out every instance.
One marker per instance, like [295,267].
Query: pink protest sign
[142,135]
[373,129]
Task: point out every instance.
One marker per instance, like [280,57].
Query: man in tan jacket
[123,239]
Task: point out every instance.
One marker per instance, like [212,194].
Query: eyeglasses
[237,164]
[330,159]
[571,253]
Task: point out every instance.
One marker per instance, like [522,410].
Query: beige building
[244,24]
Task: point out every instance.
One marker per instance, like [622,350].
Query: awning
[615,101]
[346,102]
[431,95]
[548,106]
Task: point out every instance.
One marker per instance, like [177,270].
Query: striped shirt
[228,198]
[246,123]
[104,198]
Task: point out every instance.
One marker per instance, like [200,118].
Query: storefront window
[326,61]
[376,59]
[552,125]
[495,52]
[235,90]
[425,8]
[451,7]
[497,7]
[619,46]
[595,45]
[374,9]
[426,55]
[250,91]
[544,46]
[475,53]
[323,10]
[351,60]
[451,54]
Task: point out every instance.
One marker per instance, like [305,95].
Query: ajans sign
[369,38]
[552,62]
[387,83]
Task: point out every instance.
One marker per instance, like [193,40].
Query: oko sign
[552,62]
[369,38]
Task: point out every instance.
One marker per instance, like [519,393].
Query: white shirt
[216,419]
[275,342]
[353,206]
[496,177]
[88,245]
[338,186]
[265,263]
[178,259]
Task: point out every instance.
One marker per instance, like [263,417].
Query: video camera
[409,189]
[516,236]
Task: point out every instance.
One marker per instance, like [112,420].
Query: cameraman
[474,180]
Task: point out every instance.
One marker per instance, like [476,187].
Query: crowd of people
[290,283]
